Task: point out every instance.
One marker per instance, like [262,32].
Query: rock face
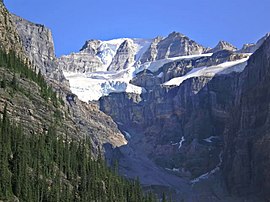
[38,44]
[195,110]
[251,48]
[174,45]
[84,61]
[9,38]
[91,47]
[177,44]
[78,118]
[96,55]
[207,123]
[79,63]
[223,45]
[246,154]
[151,54]
[124,57]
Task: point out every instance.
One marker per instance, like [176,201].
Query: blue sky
[205,21]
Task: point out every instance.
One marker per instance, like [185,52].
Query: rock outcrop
[223,45]
[207,123]
[174,45]
[246,154]
[35,43]
[9,38]
[124,57]
[38,44]
[79,63]
[151,53]
[251,48]
[91,47]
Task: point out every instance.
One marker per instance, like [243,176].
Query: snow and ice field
[101,82]
[92,86]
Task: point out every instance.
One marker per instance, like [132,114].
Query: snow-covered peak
[103,67]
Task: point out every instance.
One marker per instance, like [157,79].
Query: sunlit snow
[210,139]
[224,68]
[100,82]
[155,65]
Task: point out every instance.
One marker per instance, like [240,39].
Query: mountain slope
[45,154]
[86,119]
[246,156]
[185,126]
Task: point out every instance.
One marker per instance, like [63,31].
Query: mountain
[246,149]
[9,38]
[190,120]
[103,67]
[172,99]
[187,120]
[222,45]
[251,48]
[50,142]
[38,45]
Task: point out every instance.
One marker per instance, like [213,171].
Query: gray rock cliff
[221,121]
[223,45]
[9,37]
[151,53]
[124,57]
[251,48]
[177,44]
[80,119]
[246,154]
[38,44]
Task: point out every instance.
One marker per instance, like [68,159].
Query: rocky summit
[187,120]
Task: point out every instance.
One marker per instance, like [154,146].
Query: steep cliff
[124,57]
[205,122]
[151,53]
[246,153]
[9,38]
[38,44]
[79,119]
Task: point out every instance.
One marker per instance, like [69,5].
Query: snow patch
[173,169]
[224,68]
[160,75]
[155,65]
[181,142]
[127,134]
[208,174]
[210,139]
[92,86]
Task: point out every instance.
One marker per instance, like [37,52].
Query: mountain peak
[90,46]
[176,34]
[251,48]
[223,45]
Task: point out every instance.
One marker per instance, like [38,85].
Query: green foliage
[3,83]
[48,167]
[17,66]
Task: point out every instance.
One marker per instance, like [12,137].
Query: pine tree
[4,82]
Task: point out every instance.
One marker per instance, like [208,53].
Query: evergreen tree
[51,167]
